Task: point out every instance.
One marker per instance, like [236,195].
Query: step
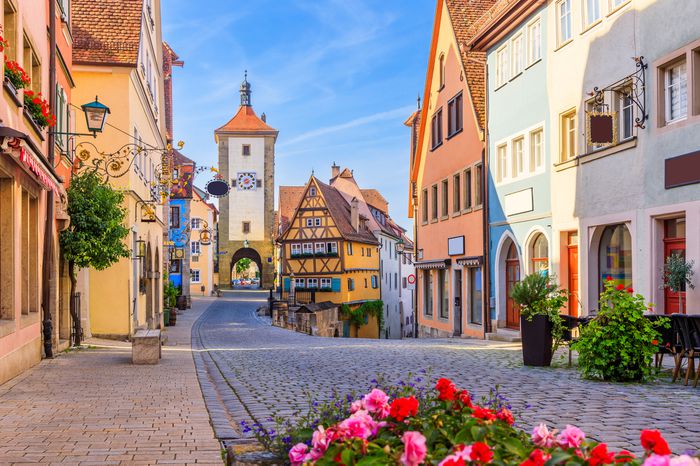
[501,334]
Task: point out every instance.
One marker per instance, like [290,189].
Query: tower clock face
[246,181]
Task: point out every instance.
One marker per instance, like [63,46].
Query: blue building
[518,151]
[179,231]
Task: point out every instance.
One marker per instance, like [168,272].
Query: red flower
[624,457]
[483,413]
[506,416]
[401,408]
[608,278]
[481,453]
[465,399]
[655,342]
[620,287]
[630,290]
[447,389]
[601,455]
[453,462]
[536,458]
[653,441]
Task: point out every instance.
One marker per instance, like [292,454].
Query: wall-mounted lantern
[140,249]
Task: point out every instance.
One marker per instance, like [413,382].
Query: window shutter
[335,284]
[286,283]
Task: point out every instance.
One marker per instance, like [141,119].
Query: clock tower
[247,161]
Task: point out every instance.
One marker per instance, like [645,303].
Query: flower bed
[410,425]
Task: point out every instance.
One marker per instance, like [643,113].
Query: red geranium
[624,457]
[536,458]
[601,455]
[446,389]
[653,441]
[620,287]
[630,290]
[483,413]
[401,408]
[608,278]
[481,452]
[465,399]
[506,416]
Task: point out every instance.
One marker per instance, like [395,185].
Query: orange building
[447,179]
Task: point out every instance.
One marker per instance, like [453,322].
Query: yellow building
[118,55]
[203,219]
[327,248]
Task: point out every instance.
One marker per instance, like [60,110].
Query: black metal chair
[572,327]
[694,352]
[690,342]
[668,342]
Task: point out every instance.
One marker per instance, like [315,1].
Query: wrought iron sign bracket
[633,87]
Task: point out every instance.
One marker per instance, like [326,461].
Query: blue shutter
[286,283]
[335,284]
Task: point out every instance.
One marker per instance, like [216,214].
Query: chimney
[355,214]
[335,170]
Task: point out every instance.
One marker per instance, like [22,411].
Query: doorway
[674,245]
[512,277]
[458,303]
[572,246]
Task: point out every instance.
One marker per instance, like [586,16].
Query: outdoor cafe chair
[689,327]
[572,327]
[694,352]
[668,342]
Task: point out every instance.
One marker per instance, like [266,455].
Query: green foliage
[620,343]
[169,293]
[358,315]
[95,237]
[538,294]
[677,272]
[243,265]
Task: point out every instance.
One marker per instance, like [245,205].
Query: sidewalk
[94,407]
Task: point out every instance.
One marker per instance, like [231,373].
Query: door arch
[247,253]
[149,286]
[512,276]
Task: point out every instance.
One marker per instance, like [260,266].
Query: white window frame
[569,154]
[196,223]
[585,6]
[502,161]
[317,221]
[312,283]
[295,249]
[534,42]
[502,65]
[517,56]
[518,157]
[309,222]
[312,191]
[332,247]
[320,248]
[308,248]
[536,150]
[195,276]
[299,282]
[561,38]
[682,89]
[196,247]
[621,106]
[326,282]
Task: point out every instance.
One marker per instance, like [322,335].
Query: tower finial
[245,91]
[418,101]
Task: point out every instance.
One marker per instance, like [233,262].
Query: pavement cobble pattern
[251,371]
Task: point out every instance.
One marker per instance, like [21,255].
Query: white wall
[246,206]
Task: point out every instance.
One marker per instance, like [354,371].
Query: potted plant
[38,109]
[15,75]
[169,297]
[541,328]
[677,274]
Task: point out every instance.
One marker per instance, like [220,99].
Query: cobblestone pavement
[94,407]
[251,370]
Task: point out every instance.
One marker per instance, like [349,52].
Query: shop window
[540,254]
[428,292]
[7,250]
[444,293]
[475,295]
[615,255]
[29,253]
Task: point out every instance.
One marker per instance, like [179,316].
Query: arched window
[615,255]
[540,254]
[442,70]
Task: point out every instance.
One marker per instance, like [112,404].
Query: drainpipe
[47,304]
[486,278]
[415,259]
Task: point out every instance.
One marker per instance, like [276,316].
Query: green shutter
[335,284]
[286,283]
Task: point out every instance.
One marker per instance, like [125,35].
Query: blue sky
[337,78]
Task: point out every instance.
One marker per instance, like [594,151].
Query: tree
[95,237]
[242,265]
[677,273]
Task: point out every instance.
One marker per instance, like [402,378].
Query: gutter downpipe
[486,303]
[415,257]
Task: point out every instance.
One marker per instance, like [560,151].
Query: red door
[512,277]
[573,275]
[674,244]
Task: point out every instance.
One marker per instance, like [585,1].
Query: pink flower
[656,460]
[297,455]
[684,460]
[414,448]
[542,437]
[358,425]
[377,402]
[320,441]
[571,437]
[464,451]
[356,406]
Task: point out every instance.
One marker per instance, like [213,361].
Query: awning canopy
[473,261]
[433,264]
[29,155]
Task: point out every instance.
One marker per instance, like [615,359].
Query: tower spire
[245,91]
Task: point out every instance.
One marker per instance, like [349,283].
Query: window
[625,111]
[616,3]
[7,243]
[320,248]
[468,188]
[540,254]
[564,23]
[442,70]
[502,162]
[424,205]
[308,248]
[299,283]
[456,194]
[375,281]
[174,217]
[676,92]
[309,222]
[312,283]
[369,252]
[332,248]
[10,29]
[32,65]
[317,221]
[454,115]
[568,136]
[65,10]
[246,227]
[362,252]
[29,247]
[62,118]
[434,202]
[479,185]
[592,11]
[444,293]
[351,284]
[349,249]
[518,162]
[475,298]
[312,191]
[516,47]
[296,249]
[534,37]
[536,154]
[326,283]
[366,285]
[502,62]
[436,129]
[196,247]
[615,256]
[245,149]
[196,223]
[427,292]
[445,197]
[194,275]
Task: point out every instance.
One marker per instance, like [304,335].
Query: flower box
[12,92]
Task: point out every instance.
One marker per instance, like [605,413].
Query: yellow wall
[205,261]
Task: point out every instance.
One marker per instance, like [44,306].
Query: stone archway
[247,253]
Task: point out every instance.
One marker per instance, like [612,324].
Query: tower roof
[245,120]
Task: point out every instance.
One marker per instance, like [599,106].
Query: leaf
[514,446]
[464,435]
[347,456]
[478,433]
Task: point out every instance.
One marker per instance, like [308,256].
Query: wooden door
[512,277]
[458,303]
[674,245]
[573,274]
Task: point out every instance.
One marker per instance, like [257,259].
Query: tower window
[245,149]
[312,191]
[246,227]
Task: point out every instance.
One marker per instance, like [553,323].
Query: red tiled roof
[289,198]
[106,31]
[375,198]
[340,211]
[246,121]
[181,159]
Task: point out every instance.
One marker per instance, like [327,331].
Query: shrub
[619,343]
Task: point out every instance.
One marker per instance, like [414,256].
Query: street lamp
[95,116]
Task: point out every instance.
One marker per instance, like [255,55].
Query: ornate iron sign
[217,187]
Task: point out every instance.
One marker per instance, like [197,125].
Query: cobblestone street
[251,370]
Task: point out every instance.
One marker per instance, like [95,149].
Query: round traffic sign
[411,279]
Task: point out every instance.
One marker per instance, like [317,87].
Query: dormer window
[312,191]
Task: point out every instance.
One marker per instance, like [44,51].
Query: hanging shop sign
[177,253]
[217,188]
[34,166]
[148,213]
[602,130]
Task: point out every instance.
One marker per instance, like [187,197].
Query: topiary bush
[619,343]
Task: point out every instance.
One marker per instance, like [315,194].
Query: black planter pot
[536,337]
